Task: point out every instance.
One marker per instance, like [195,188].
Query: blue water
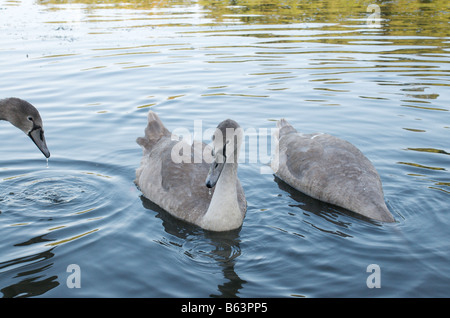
[94,70]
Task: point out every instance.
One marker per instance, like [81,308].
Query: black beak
[37,135]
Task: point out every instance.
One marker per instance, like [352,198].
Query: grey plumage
[26,117]
[331,170]
[179,187]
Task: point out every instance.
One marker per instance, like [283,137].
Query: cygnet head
[26,117]
[227,141]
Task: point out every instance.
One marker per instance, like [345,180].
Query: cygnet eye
[30,118]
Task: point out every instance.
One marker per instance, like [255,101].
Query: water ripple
[69,202]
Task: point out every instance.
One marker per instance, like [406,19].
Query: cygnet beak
[37,135]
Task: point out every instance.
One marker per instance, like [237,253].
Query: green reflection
[409,23]
[113,4]
[420,166]
[395,14]
[432,150]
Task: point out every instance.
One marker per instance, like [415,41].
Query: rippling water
[95,69]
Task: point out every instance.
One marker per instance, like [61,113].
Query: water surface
[95,69]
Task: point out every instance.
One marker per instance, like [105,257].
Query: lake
[77,226]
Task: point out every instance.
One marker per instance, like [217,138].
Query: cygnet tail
[284,128]
[154,131]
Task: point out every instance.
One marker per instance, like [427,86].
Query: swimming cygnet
[329,169]
[207,194]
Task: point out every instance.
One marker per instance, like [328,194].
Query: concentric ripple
[67,204]
[41,191]
[211,249]
[60,191]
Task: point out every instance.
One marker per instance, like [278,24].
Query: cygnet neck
[223,212]
[4,109]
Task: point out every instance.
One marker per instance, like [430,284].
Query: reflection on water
[204,248]
[394,15]
[46,209]
[94,68]
[33,281]
[327,212]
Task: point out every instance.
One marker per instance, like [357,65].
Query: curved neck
[3,110]
[223,212]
